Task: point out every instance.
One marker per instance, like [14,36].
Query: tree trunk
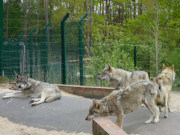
[107,11]
[47,19]
[103,8]
[7,17]
[134,9]
[87,28]
[91,21]
[25,20]
[156,41]
[140,7]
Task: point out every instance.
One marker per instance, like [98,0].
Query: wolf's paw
[31,101]
[156,120]
[148,121]
[170,110]
[165,116]
[5,97]
[33,104]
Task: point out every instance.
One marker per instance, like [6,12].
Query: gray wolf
[165,82]
[40,91]
[126,100]
[119,78]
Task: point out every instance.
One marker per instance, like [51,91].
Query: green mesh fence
[37,49]
[56,54]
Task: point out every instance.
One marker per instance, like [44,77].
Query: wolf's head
[168,72]
[159,79]
[22,82]
[105,75]
[97,109]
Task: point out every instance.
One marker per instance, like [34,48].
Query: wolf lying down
[128,99]
[40,91]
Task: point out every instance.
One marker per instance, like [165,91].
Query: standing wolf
[165,82]
[124,101]
[40,91]
[120,78]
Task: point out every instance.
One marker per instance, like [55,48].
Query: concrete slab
[69,114]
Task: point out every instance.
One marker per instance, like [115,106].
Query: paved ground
[69,114]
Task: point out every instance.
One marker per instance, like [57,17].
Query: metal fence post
[81,49]
[1,37]
[18,52]
[23,57]
[134,56]
[31,51]
[45,52]
[63,41]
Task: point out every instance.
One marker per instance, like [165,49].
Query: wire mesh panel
[74,51]
[33,47]
[56,53]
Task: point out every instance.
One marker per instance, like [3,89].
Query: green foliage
[118,25]
[109,48]
[111,54]
[76,10]
[176,84]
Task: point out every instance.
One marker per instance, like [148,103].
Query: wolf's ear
[27,77]
[164,66]
[109,68]
[95,104]
[172,67]
[16,74]
[126,91]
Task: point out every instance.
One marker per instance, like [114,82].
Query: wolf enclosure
[128,34]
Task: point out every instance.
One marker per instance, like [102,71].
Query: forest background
[113,29]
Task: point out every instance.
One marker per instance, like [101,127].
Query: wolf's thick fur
[120,78]
[39,91]
[165,82]
[124,101]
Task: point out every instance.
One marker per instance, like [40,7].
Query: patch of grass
[4,80]
[176,84]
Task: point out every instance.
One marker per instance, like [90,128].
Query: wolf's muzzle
[100,77]
[89,118]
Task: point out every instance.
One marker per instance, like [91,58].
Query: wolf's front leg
[35,100]
[151,111]
[14,95]
[166,106]
[119,120]
[42,99]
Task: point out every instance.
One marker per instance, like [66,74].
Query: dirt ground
[7,127]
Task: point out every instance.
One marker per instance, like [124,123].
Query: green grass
[3,80]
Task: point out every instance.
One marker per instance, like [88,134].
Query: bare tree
[154,22]
[156,34]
